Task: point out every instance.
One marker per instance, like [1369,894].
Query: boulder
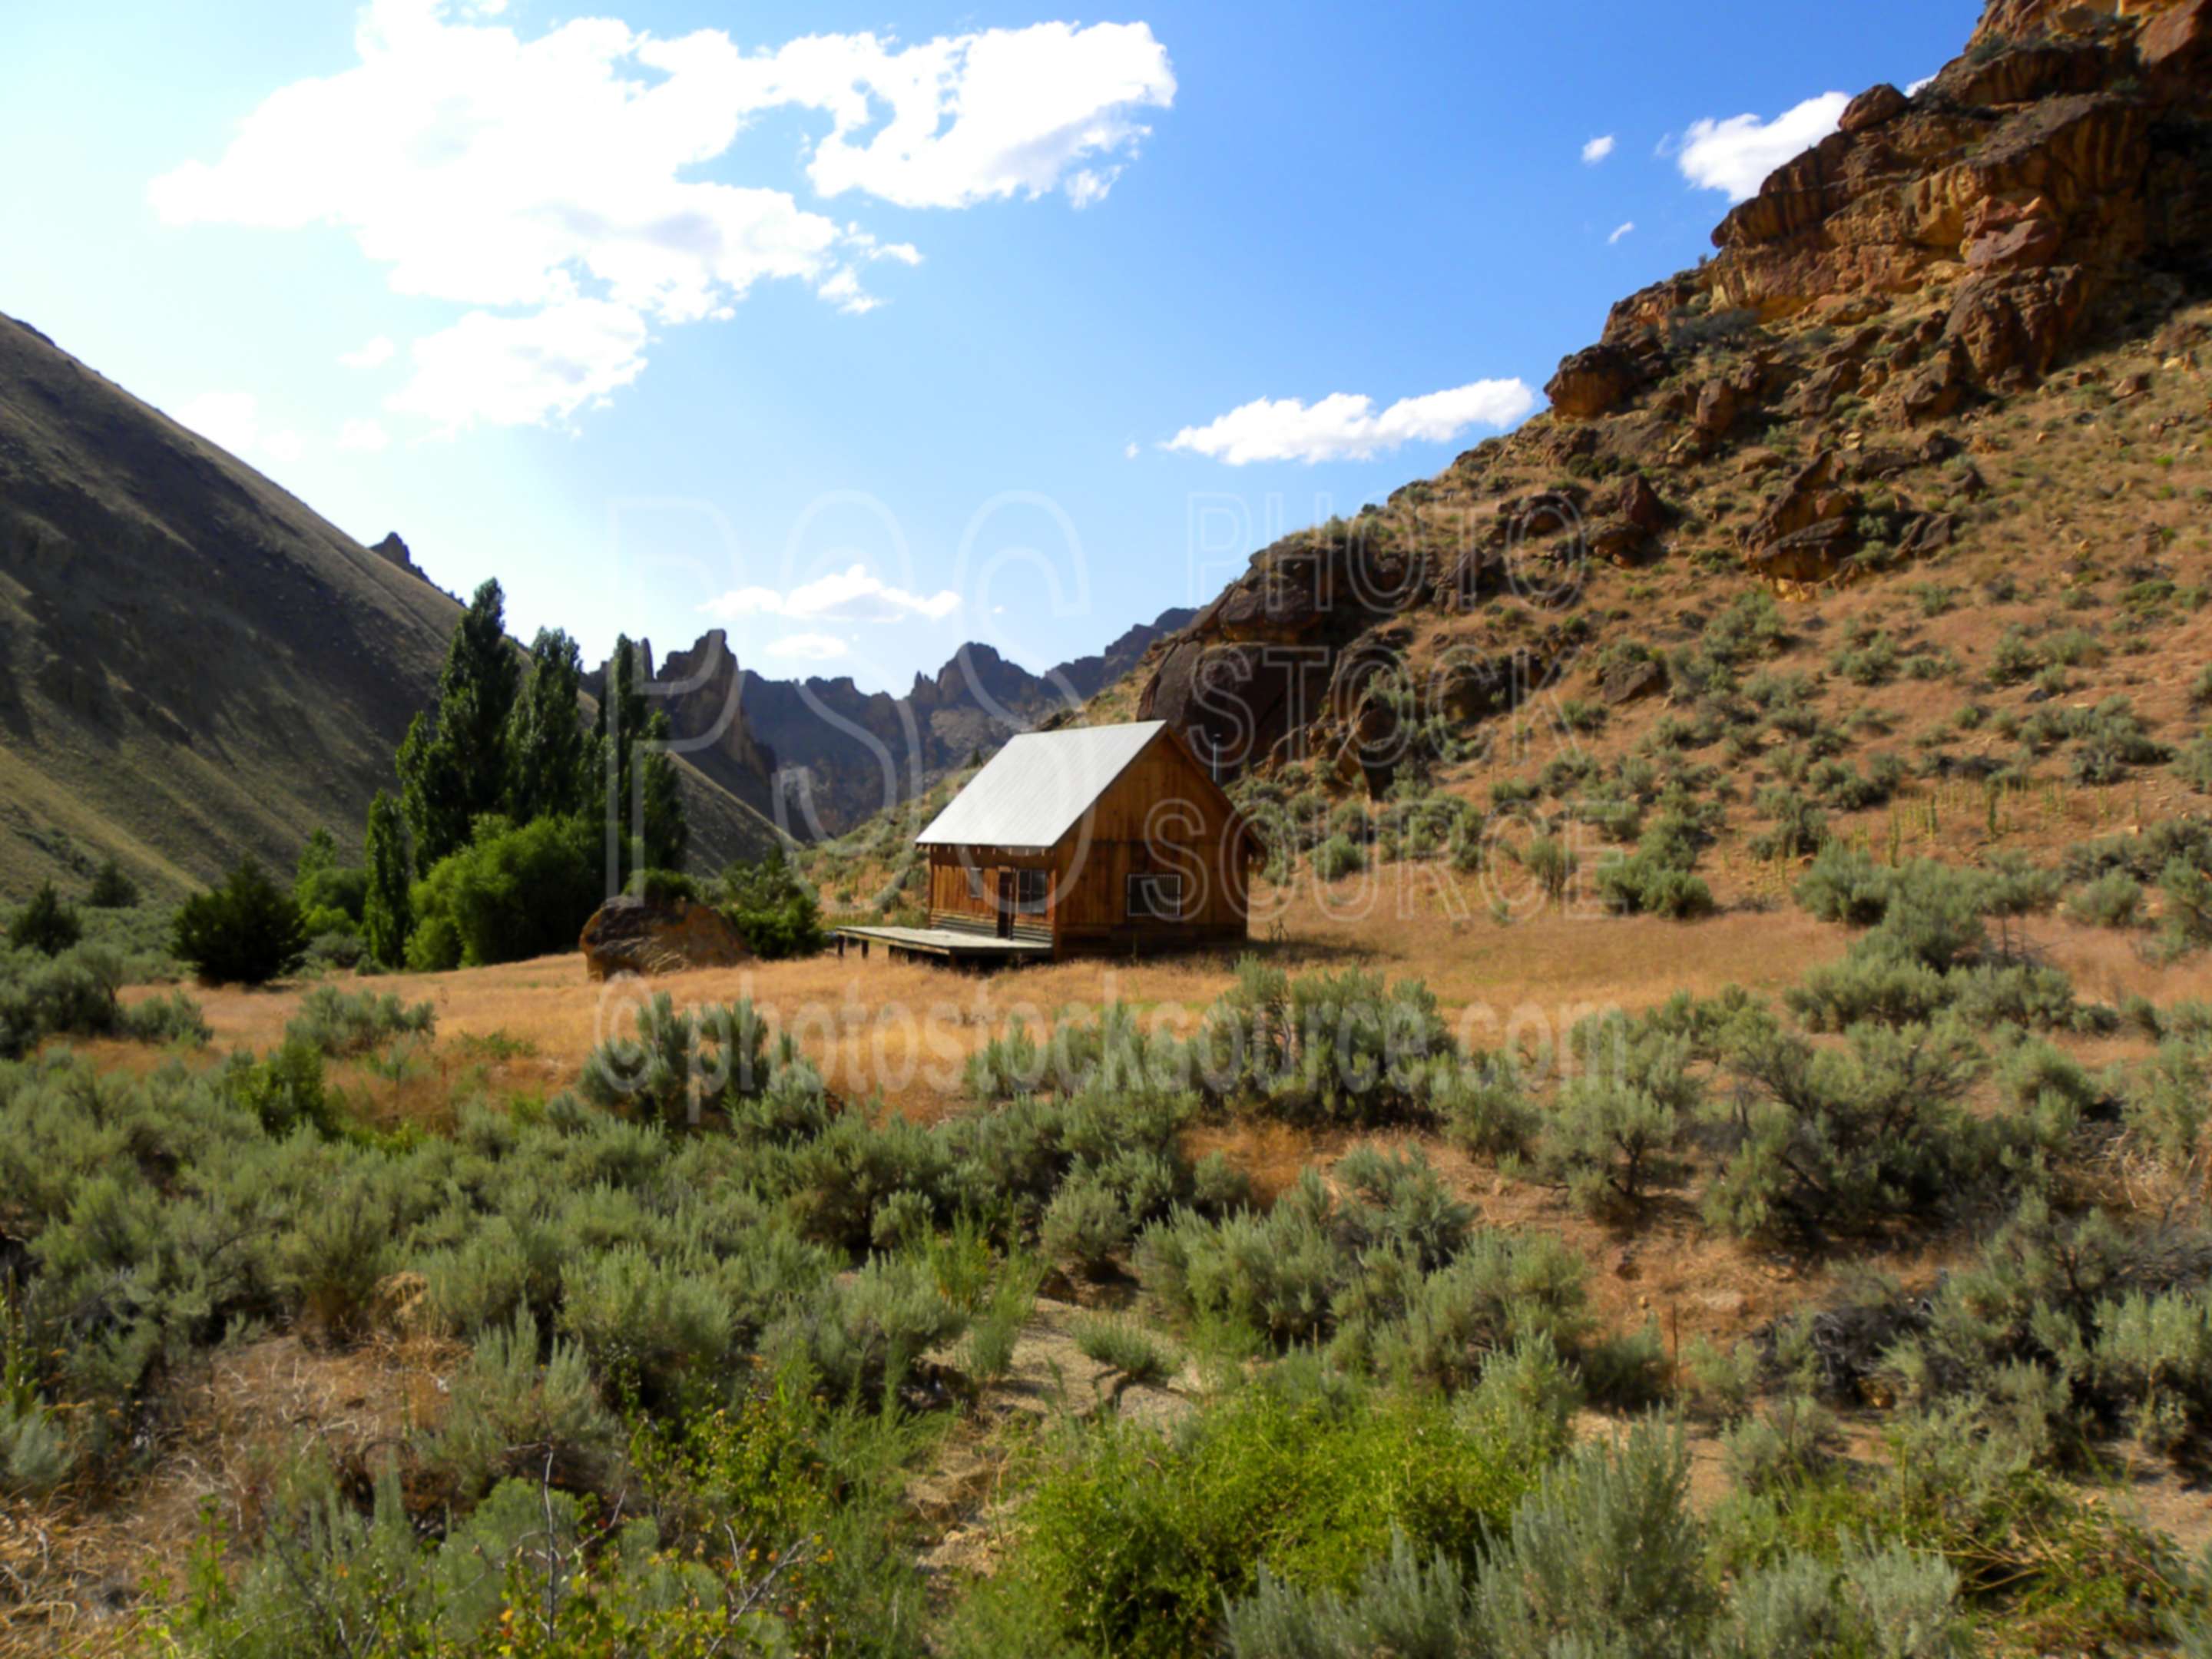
[1639,504]
[1871,108]
[1592,382]
[1633,680]
[2013,327]
[630,935]
[2178,44]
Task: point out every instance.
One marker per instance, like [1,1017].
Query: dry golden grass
[905,1030]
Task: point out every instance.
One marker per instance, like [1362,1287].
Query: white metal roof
[1031,792]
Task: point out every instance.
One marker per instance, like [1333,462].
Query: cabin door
[1005,904]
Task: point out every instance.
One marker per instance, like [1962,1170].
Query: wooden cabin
[1108,840]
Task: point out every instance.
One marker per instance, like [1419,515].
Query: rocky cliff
[820,755]
[1881,297]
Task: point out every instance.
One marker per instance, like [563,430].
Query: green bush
[112,887]
[339,1024]
[1129,1547]
[1603,1557]
[1338,857]
[1837,1137]
[247,932]
[75,994]
[1123,1346]
[774,908]
[1657,880]
[1621,1113]
[1324,1048]
[2113,900]
[510,893]
[46,924]
[1799,826]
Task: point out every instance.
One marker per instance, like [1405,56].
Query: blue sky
[670,314]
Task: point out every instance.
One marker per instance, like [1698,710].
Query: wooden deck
[950,943]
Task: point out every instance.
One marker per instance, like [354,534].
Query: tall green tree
[454,765]
[667,837]
[637,796]
[548,759]
[387,915]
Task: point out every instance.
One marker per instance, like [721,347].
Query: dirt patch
[74,1571]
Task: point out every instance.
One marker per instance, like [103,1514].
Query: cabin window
[1030,891]
[1156,897]
[975,883]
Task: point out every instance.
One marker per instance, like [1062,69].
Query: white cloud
[806,648]
[1736,155]
[1628,229]
[1344,427]
[1129,450]
[514,371]
[1597,150]
[232,421]
[1920,86]
[363,437]
[977,117]
[509,173]
[849,595]
[372,354]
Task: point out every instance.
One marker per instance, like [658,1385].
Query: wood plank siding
[1161,820]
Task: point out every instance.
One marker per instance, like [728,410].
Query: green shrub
[520,1407]
[1799,826]
[1125,1346]
[112,887]
[2192,764]
[1604,1557]
[1338,857]
[1085,1227]
[75,994]
[2108,740]
[2187,911]
[1657,880]
[247,932]
[339,1024]
[1324,1048]
[1823,1137]
[510,893]
[1621,1113]
[683,1065]
[769,903]
[2113,900]
[2170,1100]
[1551,864]
[1130,1548]
[46,924]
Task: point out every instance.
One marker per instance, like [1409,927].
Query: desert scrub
[1658,878]
[1820,1138]
[1129,1547]
[1799,827]
[1343,1048]
[75,994]
[2113,900]
[339,1024]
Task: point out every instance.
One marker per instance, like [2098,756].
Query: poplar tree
[547,757]
[452,766]
[387,912]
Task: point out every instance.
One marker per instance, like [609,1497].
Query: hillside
[1861,524]
[195,666]
[1705,1154]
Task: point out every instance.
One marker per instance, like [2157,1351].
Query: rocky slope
[193,665]
[1839,362]
[819,756]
